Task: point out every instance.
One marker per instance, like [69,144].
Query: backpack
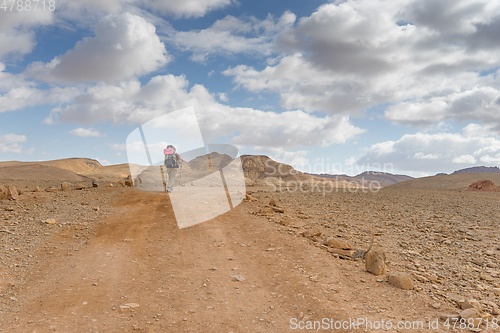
[171,158]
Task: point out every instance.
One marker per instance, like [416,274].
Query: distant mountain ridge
[478,169]
[367,177]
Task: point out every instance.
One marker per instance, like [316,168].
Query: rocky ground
[446,241]
[113,259]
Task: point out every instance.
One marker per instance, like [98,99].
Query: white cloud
[124,46]
[298,159]
[131,102]
[223,97]
[17,93]
[232,35]
[432,153]
[423,58]
[16,29]
[86,132]
[186,8]
[11,143]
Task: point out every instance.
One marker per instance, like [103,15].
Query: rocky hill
[368,178]
[478,169]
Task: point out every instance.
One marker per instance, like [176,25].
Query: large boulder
[12,193]
[375,261]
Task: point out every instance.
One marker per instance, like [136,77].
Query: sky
[403,86]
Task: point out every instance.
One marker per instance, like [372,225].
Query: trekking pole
[180,177]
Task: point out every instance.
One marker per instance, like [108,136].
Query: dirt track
[237,273]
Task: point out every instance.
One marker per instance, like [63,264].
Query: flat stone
[473,314]
[486,277]
[401,280]
[338,243]
[346,253]
[311,233]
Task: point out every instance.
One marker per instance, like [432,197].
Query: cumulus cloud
[124,46]
[86,132]
[17,93]
[16,30]
[425,59]
[131,102]
[232,35]
[186,8]
[422,152]
[11,143]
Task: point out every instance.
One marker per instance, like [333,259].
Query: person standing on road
[172,163]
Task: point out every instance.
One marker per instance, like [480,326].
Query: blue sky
[407,86]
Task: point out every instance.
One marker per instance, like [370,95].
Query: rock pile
[484,185]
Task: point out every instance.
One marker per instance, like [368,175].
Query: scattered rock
[238,277]
[266,211]
[52,189]
[249,182]
[95,183]
[110,185]
[343,253]
[65,186]
[249,198]
[375,261]
[470,303]
[12,193]
[278,209]
[129,306]
[496,291]
[79,186]
[49,221]
[338,243]
[473,314]
[120,183]
[311,233]
[449,317]
[129,181]
[486,277]
[3,192]
[272,202]
[436,305]
[36,189]
[401,280]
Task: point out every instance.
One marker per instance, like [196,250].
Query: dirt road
[136,271]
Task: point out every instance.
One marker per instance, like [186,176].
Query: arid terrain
[112,259]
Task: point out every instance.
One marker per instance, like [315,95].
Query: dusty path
[237,273]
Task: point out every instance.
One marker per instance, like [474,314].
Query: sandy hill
[257,168]
[446,182]
[35,171]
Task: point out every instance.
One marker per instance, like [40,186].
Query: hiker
[172,163]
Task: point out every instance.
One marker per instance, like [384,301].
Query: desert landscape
[84,251]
